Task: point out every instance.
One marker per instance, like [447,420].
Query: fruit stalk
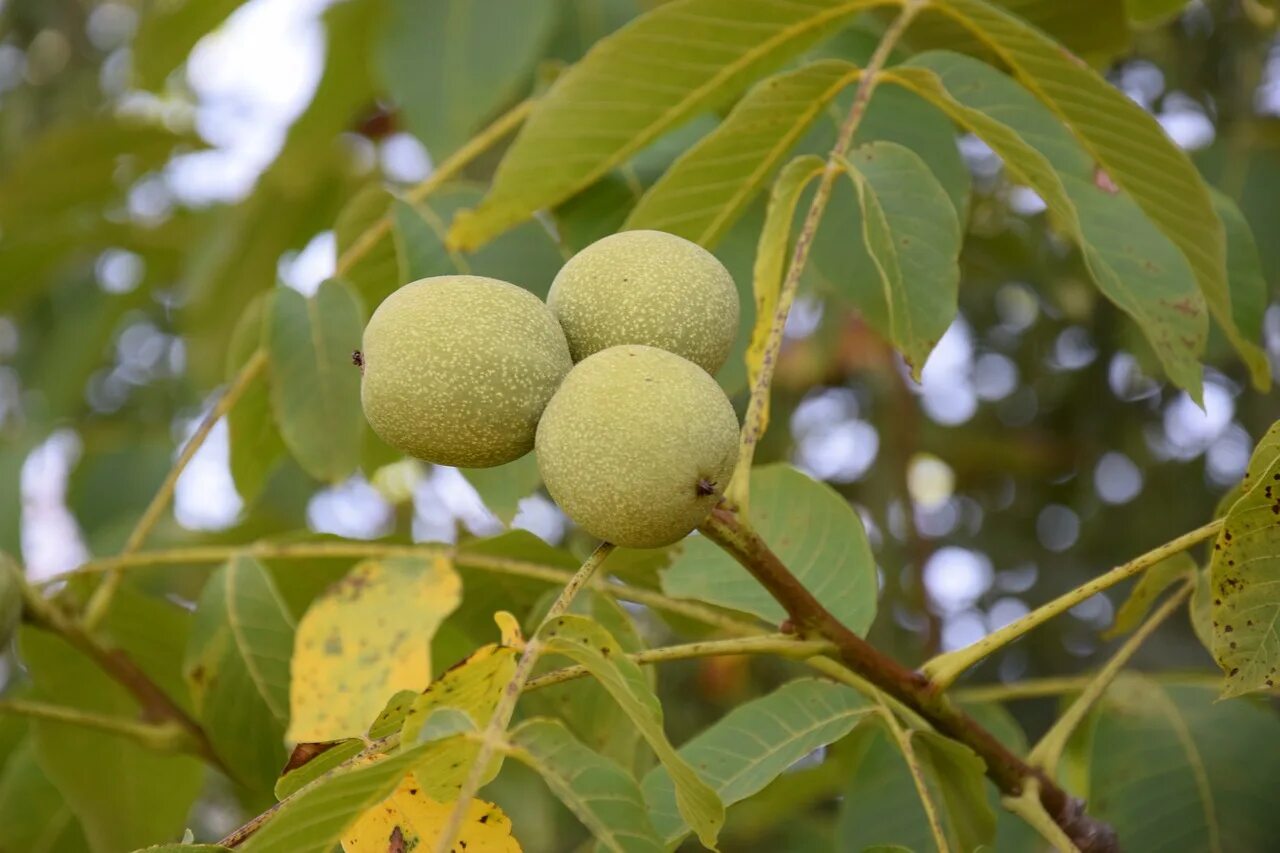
[914,689]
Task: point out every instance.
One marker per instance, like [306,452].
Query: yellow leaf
[471,688]
[509,627]
[368,636]
[410,820]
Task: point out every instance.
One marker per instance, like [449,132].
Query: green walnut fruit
[636,445]
[647,287]
[458,368]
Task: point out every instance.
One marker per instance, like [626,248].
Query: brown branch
[155,704]
[1009,772]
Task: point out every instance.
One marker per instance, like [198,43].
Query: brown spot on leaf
[1103,181]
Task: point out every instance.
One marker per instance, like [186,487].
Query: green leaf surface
[255,442]
[365,245]
[710,185]
[663,68]
[1095,29]
[1131,261]
[600,793]
[1151,583]
[504,486]
[812,529]
[451,64]
[1153,12]
[124,795]
[1240,310]
[755,743]
[237,666]
[1244,577]
[911,233]
[881,803]
[167,33]
[315,389]
[588,644]
[1171,769]
[1125,141]
[34,815]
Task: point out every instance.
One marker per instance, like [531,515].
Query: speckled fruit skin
[627,440]
[458,368]
[647,287]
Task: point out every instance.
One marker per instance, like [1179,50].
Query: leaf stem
[1029,807]
[1009,772]
[1039,688]
[783,645]
[946,668]
[480,562]
[1048,751]
[168,736]
[446,171]
[100,601]
[502,713]
[755,422]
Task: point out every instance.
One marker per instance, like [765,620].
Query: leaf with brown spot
[1245,578]
[409,820]
[472,687]
[367,637]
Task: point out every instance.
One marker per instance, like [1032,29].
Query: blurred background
[161,163]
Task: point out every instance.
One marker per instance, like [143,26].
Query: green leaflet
[452,64]
[586,643]
[652,75]
[1125,140]
[1133,263]
[755,742]
[602,795]
[705,190]
[911,232]
[237,666]
[315,389]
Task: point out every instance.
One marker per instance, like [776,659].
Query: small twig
[100,601]
[168,736]
[1039,688]
[782,645]
[502,713]
[946,668]
[479,562]
[1048,751]
[754,423]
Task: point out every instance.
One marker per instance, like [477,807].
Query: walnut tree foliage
[1000,568]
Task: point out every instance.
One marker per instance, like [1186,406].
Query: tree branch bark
[1009,772]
